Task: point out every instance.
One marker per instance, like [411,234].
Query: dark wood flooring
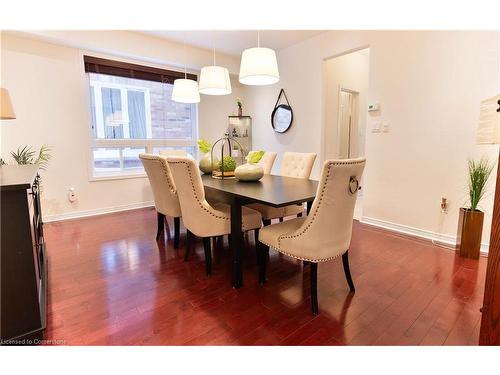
[111,283]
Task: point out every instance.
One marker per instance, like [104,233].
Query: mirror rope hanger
[281,94]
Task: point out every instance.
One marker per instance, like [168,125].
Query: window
[130,116]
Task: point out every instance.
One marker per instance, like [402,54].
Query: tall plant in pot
[470,221]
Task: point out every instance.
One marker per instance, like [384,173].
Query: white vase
[206,163]
[249,172]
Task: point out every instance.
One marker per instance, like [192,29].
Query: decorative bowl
[249,172]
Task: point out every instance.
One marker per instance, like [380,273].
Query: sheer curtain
[111,108]
[137,114]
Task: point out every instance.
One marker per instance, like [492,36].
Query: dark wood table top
[13,177]
[276,191]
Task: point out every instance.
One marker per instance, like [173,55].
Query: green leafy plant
[239,103]
[254,157]
[204,146]
[228,163]
[479,173]
[26,155]
[2,162]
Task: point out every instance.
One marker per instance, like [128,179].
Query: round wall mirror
[282,118]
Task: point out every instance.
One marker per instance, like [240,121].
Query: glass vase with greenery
[205,163]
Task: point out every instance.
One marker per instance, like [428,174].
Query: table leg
[309,205]
[236,242]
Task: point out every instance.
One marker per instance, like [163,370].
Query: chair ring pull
[353,185]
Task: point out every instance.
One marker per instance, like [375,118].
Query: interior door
[347,132]
[490,321]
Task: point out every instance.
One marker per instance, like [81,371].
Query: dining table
[271,190]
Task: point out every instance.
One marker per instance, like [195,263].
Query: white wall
[429,85]
[49,90]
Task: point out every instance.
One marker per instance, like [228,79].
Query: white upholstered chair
[267,161]
[164,192]
[294,164]
[325,233]
[179,152]
[201,218]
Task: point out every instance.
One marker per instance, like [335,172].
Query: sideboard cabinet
[23,261]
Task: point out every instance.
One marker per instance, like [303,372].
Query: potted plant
[240,107]
[228,165]
[470,221]
[27,155]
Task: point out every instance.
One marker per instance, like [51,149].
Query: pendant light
[6,108]
[259,66]
[214,80]
[185,90]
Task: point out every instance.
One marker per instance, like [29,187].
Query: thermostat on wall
[373,107]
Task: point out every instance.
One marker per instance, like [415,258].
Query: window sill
[117,177]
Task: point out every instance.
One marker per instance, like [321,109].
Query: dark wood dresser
[23,263]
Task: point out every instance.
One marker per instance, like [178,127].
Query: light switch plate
[385,127]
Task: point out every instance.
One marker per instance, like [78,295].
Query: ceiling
[233,42]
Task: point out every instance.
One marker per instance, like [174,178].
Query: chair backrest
[197,214]
[267,161]
[178,152]
[162,184]
[297,164]
[326,232]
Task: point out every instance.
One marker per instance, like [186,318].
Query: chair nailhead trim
[300,258]
[198,199]
[194,190]
[164,166]
[315,213]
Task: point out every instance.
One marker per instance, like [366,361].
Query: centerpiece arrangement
[226,147]
[230,165]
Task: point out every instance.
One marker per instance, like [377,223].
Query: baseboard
[415,232]
[96,212]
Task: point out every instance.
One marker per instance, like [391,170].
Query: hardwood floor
[111,283]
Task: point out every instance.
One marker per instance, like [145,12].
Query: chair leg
[281,219]
[189,243]
[207,245]
[266,222]
[262,255]
[167,228]
[161,223]
[347,271]
[256,234]
[177,230]
[220,243]
[314,288]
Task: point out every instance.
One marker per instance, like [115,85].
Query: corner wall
[429,85]
[49,90]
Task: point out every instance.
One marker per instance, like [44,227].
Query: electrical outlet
[72,194]
[444,205]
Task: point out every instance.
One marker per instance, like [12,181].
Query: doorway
[345,82]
